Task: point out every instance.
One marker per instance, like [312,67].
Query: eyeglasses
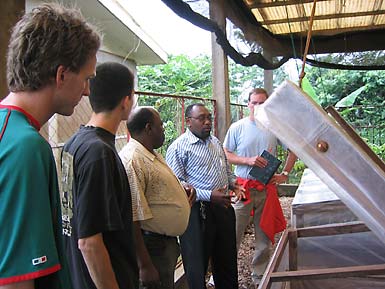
[202,118]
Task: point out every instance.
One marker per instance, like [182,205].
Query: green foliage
[297,171]
[181,75]
[379,150]
[364,88]
[308,88]
[298,168]
[187,76]
[350,99]
[333,85]
[243,79]
[192,76]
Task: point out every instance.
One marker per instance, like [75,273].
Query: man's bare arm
[98,262]
[148,274]
[289,164]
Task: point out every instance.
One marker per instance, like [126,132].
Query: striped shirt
[200,163]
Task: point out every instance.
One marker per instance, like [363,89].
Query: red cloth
[272,218]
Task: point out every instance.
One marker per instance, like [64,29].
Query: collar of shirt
[145,152]
[29,117]
[192,138]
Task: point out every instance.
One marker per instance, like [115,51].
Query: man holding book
[244,144]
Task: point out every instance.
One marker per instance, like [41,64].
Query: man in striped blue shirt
[197,158]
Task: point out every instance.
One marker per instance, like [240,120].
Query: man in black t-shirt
[96,202]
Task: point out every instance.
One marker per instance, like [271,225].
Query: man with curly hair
[51,57]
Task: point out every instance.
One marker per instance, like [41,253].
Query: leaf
[308,88]
[350,99]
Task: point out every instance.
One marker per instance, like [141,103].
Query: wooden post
[220,74]
[293,255]
[268,75]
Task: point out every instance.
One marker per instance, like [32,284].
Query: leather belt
[157,235]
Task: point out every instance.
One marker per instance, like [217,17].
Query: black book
[265,174]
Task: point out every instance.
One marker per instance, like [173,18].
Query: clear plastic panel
[355,249]
[346,250]
[315,204]
[345,168]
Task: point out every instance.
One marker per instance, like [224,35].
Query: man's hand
[256,161]
[149,276]
[237,193]
[220,196]
[191,193]
[278,179]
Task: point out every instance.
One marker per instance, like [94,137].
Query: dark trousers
[164,252]
[212,237]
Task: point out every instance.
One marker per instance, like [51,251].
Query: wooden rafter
[323,17]
[279,3]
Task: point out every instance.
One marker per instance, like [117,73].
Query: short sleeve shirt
[30,242]
[247,139]
[159,200]
[96,199]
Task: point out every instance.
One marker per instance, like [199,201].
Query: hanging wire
[302,74]
[318,68]
[133,49]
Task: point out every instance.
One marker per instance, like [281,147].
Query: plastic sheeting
[345,168]
[315,204]
[355,249]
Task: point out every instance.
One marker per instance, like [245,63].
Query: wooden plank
[332,229]
[339,272]
[293,254]
[293,250]
[322,17]
[261,5]
[274,261]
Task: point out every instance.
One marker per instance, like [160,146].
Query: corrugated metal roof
[279,28]
[283,17]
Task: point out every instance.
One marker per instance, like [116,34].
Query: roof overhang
[122,36]
[280,27]
[338,25]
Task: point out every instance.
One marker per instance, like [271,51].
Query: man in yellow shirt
[161,207]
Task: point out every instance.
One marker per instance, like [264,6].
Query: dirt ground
[246,250]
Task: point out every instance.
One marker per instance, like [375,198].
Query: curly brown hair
[45,38]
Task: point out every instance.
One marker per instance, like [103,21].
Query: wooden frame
[290,237]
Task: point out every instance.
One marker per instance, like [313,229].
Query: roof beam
[340,43]
[377,5]
[280,3]
[323,17]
